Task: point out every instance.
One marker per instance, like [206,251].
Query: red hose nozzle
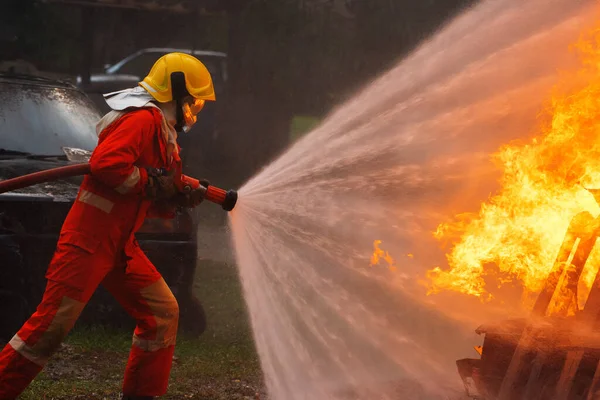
[227,199]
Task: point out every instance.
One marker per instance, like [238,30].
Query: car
[198,144]
[47,123]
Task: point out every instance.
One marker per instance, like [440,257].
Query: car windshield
[41,119]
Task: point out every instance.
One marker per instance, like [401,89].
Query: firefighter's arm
[112,162]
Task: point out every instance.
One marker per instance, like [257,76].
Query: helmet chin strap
[179,118]
[179,93]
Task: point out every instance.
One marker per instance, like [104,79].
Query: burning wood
[519,230]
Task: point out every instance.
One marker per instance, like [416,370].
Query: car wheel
[192,317]
[13,308]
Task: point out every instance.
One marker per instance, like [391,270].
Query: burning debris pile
[539,233]
[516,235]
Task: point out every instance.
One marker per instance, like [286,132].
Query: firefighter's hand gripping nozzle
[192,191]
[226,199]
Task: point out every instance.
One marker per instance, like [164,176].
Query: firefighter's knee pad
[50,325]
[165,313]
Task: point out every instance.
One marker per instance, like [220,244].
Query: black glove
[161,184]
[191,199]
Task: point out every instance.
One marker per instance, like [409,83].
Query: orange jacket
[111,206]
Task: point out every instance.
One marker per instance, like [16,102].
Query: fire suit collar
[132,97]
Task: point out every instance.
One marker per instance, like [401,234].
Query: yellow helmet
[177,75]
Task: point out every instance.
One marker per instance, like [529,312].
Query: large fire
[516,235]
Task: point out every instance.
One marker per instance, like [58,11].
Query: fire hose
[226,199]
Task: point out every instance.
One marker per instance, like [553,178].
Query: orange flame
[379,254]
[516,235]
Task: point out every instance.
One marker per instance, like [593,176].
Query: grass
[221,364]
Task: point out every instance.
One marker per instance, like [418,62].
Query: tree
[40,34]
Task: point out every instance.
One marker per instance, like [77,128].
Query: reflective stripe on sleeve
[130,182]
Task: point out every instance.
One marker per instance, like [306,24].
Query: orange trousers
[73,276]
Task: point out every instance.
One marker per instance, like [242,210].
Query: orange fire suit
[97,246]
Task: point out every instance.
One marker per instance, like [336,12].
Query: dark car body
[40,120]
[198,143]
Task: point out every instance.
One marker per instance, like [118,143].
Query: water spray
[225,198]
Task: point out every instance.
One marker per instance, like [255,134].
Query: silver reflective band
[96,201]
[21,347]
[130,182]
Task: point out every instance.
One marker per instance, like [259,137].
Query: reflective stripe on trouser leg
[142,291]
[149,364]
[29,350]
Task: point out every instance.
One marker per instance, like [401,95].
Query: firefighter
[134,171]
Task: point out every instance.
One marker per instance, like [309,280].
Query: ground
[221,364]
